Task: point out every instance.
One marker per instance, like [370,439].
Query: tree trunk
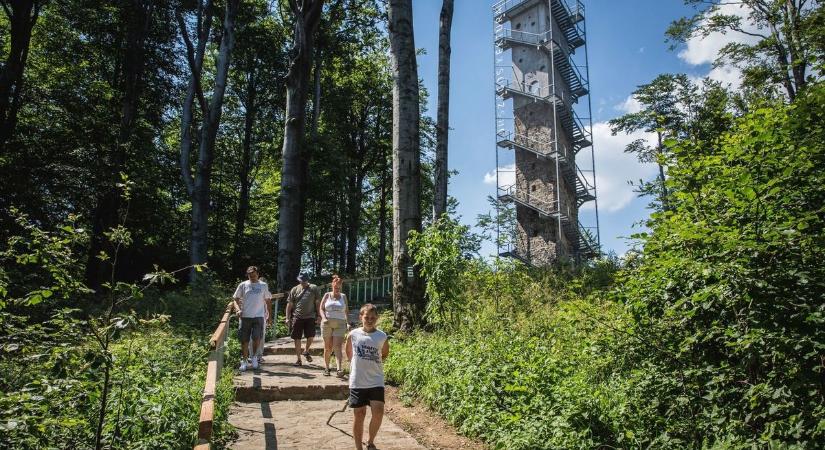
[382,219]
[356,196]
[199,185]
[246,168]
[137,15]
[22,15]
[209,133]
[408,292]
[316,96]
[443,115]
[295,160]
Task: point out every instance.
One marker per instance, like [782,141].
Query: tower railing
[544,147]
[541,205]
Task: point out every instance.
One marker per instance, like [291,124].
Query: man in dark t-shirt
[303,309]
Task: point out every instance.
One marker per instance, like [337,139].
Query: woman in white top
[334,324]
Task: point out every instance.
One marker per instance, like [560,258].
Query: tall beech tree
[295,157]
[408,288]
[443,112]
[22,15]
[198,184]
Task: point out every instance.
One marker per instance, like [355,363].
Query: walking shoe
[242,368]
[307,356]
[254,362]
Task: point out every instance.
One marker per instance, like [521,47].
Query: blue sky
[626,48]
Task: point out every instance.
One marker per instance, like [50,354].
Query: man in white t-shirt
[254,302]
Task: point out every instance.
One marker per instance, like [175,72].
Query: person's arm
[348,348]
[323,308]
[346,312]
[318,316]
[269,310]
[385,350]
[237,299]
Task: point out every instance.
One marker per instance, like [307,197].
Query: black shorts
[363,397]
[305,327]
[251,327]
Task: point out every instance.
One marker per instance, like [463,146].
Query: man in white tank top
[367,348]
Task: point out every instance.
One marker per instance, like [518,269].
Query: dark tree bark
[137,15]
[442,128]
[199,185]
[295,158]
[408,291]
[22,15]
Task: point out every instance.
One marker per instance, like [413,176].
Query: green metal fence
[368,290]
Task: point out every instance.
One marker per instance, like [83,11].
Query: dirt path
[427,427]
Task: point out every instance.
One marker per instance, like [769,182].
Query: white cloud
[614,167]
[506,175]
[704,50]
[727,75]
[629,105]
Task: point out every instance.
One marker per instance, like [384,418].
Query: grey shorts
[251,327]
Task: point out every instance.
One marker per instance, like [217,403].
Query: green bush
[729,291]
[51,389]
[56,361]
[530,371]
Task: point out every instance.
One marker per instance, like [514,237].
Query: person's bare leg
[377,410]
[327,350]
[297,349]
[309,344]
[337,345]
[256,345]
[245,350]
[358,426]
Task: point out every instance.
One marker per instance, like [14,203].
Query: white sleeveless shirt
[366,367]
[334,307]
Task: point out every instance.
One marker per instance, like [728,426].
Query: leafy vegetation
[114,375]
[710,336]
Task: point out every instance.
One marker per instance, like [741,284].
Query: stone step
[294,425]
[277,379]
[286,346]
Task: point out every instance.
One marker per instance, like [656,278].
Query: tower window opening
[518,26]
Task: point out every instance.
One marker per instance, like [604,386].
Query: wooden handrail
[213,370]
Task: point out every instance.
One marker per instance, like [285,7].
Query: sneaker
[254,362]
[307,356]
[242,368]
